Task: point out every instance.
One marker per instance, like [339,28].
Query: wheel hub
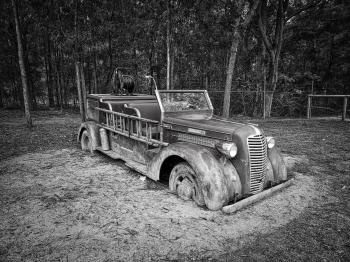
[185,189]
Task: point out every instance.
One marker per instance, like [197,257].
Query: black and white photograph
[174,130]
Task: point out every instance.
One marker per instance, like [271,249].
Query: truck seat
[149,109]
[117,107]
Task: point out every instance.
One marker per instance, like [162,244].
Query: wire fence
[243,102]
[328,106]
[250,103]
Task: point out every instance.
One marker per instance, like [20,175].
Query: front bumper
[229,209]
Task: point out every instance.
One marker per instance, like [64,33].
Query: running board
[255,198]
[138,167]
[109,153]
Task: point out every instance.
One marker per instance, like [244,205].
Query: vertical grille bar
[257,162]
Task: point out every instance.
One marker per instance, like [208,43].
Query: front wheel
[183,182]
[85,141]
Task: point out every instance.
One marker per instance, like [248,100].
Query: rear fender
[216,176]
[94,134]
[277,163]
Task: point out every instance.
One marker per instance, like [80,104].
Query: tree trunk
[272,84]
[168,47]
[66,92]
[46,70]
[83,87]
[158,69]
[17,95]
[77,64]
[259,82]
[22,67]
[80,93]
[49,69]
[1,98]
[230,69]
[268,102]
[207,81]
[151,69]
[31,95]
[94,63]
[110,69]
[110,52]
[59,94]
[207,71]
[172,66]
[95,73]
[59,81]
[62,78]
[90,86]
[233,52]
[263,74]
[273,48]
[55,78]
[256,100]
[135,60]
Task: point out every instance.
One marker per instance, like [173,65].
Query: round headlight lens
[270,141]
[233,150]
[228,149]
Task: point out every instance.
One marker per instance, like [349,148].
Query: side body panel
[129,149]
[217,177]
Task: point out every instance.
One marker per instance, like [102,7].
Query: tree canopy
[286,47]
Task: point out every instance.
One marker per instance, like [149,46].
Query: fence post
[308,112]
[345,104]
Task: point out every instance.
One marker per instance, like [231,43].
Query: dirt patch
[72,206]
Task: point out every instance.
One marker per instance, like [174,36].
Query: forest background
[240,51]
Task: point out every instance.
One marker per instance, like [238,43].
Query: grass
[46,134]
[321,233]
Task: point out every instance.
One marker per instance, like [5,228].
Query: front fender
[278,166]
[216,177]
[93,130]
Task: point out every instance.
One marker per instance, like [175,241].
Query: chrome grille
[257,162]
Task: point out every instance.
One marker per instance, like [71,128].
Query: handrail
[126,115]
[125,124]
[151,141]
[137,112]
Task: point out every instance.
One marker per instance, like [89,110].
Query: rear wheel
[85,141]
[183,182]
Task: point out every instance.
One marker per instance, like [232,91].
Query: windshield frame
[188,112]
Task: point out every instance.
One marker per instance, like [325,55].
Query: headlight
[228,149]
[270,141]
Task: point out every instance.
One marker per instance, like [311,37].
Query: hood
[215,127]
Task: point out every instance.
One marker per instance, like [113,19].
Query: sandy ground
[67,205]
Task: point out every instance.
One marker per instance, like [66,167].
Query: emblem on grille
[196,131]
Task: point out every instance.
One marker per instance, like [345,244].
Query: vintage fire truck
[174,137]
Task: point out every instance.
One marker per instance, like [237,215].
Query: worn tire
[85,142]
[183,182]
